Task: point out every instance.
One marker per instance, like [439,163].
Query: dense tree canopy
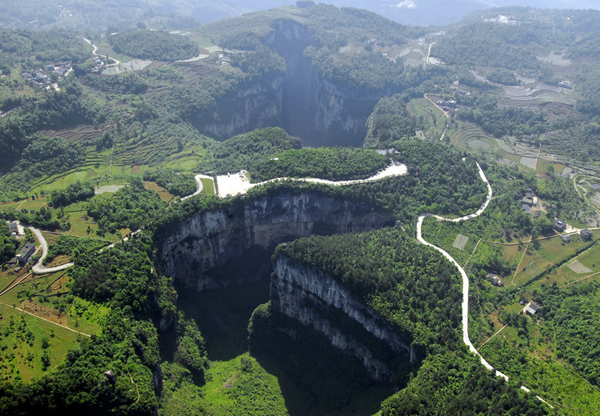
[153,44]
[324,163]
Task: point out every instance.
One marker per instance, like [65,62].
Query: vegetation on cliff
[246,150]
[117,371]
[105,129]
[383,269]
[390,121]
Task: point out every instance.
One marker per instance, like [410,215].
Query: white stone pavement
[234,184]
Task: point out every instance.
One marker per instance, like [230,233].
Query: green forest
[153,44]
[324,163]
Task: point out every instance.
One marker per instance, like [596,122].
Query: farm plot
[469,137]
[30,346]
[529,162]
[434,118]
[448,235]
[588,260]
[460,242]
[83,132]
[551,251]
[578,268]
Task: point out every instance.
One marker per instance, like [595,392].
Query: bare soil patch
[60,284]
[460,242]
[578,268]
[529,162]
[59,261]
[44,311]
[108,188]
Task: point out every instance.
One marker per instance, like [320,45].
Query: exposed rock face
[301,101]
[306,294]
[211,238]
[255,106]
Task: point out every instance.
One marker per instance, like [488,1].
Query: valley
[305,210]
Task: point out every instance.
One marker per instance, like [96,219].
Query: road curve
[465,278]
[199,185]
[39,267]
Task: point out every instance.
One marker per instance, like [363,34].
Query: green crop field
[443,234]
[162,192]
[588,259]
[208,186]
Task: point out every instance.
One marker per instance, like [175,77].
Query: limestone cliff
[315,299]
[209,239]
[257,104]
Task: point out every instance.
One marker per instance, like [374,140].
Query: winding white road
[465,278]
[238,187]
[95,53]
[231,185]
[393,170]
[39,267]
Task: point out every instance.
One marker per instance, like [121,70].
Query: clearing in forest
[460,242]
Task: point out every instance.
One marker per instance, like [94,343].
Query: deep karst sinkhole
[302,100]
[222,266]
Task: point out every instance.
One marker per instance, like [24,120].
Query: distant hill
[87,15]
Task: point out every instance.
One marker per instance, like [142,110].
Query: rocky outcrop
[212,238]
[309,295]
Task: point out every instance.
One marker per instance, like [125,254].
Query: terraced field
[39,325]
[83,132]
[468,136]
[22,344]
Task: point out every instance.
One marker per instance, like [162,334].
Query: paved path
[429,53]
[438,107]
[465,278]
[231,185]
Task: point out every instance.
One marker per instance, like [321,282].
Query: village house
[495,279]
[566,238]
[528,201]
[13,227]
[532,308]
[566,84]
[26,253]
[560,225]
[586,235]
